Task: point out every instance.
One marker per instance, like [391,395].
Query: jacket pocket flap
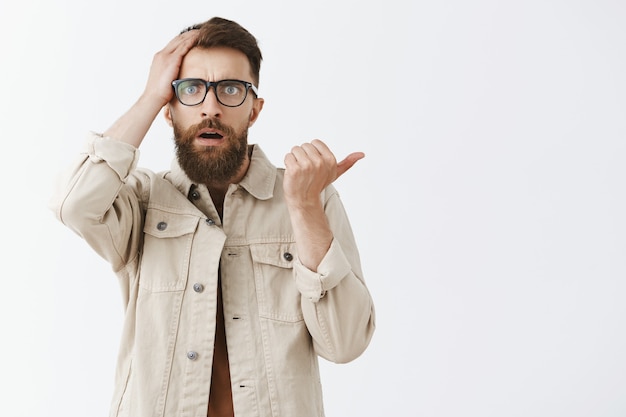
[277,254]
[163,224]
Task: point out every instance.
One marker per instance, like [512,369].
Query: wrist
[151,100]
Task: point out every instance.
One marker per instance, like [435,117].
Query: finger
[188,41]
[348,162]
[311,151]
[184,40]
[324,152]
[290,160]
[320,146]
[298,153]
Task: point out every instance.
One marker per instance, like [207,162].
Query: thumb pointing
[348,162]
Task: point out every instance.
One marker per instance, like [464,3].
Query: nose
[210,107]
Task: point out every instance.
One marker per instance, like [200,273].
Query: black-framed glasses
[230,93]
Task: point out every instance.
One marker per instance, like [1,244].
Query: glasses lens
[191,92]
[231,93]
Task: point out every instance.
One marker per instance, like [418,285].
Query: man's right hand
[135,123]
[166,67]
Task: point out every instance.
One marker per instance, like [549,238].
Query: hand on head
[166,66]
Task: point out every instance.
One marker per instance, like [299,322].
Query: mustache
[211,124]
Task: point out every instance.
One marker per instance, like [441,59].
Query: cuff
[333,268]
[120,156]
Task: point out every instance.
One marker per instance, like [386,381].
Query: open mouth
[210,135]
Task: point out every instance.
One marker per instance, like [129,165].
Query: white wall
[489,208]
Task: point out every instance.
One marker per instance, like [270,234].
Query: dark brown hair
[225,33]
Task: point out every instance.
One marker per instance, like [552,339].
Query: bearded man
[236,275]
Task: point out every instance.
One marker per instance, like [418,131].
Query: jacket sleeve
[93,198]
[337,306]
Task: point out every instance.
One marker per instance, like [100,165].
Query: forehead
[214,64]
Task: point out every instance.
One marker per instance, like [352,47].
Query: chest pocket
[166,250]
[277,295]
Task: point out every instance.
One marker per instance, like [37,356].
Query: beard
[210,164]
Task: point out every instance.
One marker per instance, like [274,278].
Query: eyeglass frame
[208,85]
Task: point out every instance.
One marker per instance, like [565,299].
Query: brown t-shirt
[220,397]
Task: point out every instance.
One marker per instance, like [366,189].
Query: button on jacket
[167,244]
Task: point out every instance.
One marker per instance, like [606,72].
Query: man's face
[211,139]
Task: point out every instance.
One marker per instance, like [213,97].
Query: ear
[257,106]
[167,113]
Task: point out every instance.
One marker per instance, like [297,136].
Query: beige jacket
[165,242]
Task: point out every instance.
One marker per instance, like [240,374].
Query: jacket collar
[259,179]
